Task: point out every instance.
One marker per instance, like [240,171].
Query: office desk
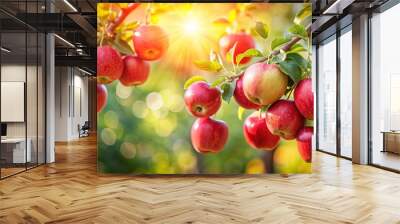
[13,150]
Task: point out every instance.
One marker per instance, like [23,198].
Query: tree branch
[121,17]
[289,44]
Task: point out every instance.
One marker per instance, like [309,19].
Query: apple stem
[121,17]
[290,92]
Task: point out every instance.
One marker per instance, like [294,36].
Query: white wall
[71,94]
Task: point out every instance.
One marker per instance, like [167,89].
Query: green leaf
[252,52]
[276,59]
[192,80]
[279,42]
[299,31]
[262,29]
[218,82]
[240,113]
[309,123]
[303,14]
[298,59]
[227,91]
[291,69]
[131,26]
[212,66]
[296,48]
[122,47]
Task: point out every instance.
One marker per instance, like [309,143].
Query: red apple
[243,43]
[201,100]
[150,42]
[241,99]
[304,138]
[304,98]
[257,134]
[109,65]
[283,119]
[263,83]
[209,135]
[136,71]
[101,97]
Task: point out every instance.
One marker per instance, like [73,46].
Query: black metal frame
[44,70]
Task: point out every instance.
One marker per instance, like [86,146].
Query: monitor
[3,129]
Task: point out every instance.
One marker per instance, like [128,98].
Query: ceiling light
[64,40]
[70,5]
[337,7]
[5,49]
[84,71]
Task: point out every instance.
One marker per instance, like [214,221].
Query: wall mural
[210,88]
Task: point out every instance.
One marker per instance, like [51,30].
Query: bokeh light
[154,101]
[111,119]
[255,166]
[108,136]
[128,150]
[140,109]
[165,127]
[122,91]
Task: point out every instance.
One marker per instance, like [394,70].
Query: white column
[360,90]
[50,98]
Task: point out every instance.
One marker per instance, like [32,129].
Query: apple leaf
[252,52]
[298,59]
[309,123]
[291,69]
[227,91]
[296,48]
[262,29]
[212,66]
[279,42]
[240,113]
[303,14]
[218,82]
[298,31]
[221,22]
[122,46]
[192,80]
[232,14]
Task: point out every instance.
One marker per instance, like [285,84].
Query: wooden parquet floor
[70,191]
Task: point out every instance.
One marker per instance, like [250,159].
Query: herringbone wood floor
[70,191]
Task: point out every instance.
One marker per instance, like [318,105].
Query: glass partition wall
[385,90]
[334,94]
[327,95]
[22,77]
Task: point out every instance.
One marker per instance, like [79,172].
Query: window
[327,96]
[346,93]
[385,89]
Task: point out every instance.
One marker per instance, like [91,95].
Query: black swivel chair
[84,130]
